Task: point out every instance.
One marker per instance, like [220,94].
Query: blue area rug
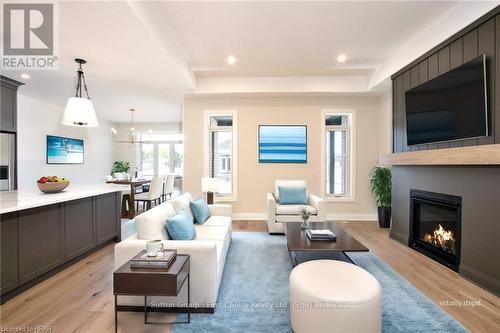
[253,295]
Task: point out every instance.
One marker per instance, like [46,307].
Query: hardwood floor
[477,309]
[250,226]
[79,299]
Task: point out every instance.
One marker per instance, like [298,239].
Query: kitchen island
[41,234]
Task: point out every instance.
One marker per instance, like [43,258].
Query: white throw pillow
[182,202]
[150,225]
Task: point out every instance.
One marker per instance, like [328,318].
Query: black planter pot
[384,217]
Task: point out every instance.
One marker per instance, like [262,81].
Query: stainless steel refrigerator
[7,161]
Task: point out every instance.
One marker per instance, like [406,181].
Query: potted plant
[381,187]
[305,214]
[120,169]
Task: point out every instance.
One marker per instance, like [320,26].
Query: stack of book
[321,235]
[163,260]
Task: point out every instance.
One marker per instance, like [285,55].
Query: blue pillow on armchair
[292,195]
[200,210]
[180,226]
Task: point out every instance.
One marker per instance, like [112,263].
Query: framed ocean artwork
[62,150]
[282,144]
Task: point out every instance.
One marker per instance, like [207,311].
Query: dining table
[133,183]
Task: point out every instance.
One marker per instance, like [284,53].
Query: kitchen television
[62,150]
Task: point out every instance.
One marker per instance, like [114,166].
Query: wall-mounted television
[61,150]
[452,106]
[282,144]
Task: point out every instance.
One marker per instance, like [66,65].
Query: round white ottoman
[334,296]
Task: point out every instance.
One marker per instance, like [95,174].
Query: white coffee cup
[153,247]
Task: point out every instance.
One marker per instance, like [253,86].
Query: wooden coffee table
[301,249]
[152,282]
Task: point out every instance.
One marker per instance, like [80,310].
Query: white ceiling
[294,38]
[127,66]
[148,54]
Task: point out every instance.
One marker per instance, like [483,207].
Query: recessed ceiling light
[231,60]
[25,76]
[341,58]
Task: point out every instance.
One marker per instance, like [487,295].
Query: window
[225,164]
[178,158]
[163,159]
[147,159]
[161,154]
[221,152]
[338,153]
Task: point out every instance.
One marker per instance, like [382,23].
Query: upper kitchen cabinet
[8,107]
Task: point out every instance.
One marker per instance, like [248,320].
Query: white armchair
[278,214]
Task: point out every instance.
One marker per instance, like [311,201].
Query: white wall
[36,120]
[385,124]
[254,179]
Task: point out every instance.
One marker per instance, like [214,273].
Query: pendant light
[79,110]
[131,134]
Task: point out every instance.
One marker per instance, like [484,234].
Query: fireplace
[435,226]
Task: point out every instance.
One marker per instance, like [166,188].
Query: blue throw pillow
[292,195]
[200,210]
[180,226]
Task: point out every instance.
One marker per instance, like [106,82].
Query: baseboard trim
[483,280]
[352,217]
[250,216]
[330,217]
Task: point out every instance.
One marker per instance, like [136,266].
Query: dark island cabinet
[79,227]
[38,242]
[107,208]
[9,274]
[40,239]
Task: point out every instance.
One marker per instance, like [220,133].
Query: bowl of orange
[52,184]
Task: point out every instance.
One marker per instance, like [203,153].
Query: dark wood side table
[152,282]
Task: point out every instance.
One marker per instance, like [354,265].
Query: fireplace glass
[435,226]
[438,226]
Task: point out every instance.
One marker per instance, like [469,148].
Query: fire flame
[441,238]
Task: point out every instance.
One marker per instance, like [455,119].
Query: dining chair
[168,187]
[153,195]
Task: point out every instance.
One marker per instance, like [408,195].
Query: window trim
[352,153]
[234,150]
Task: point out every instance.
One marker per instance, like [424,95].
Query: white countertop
[13,201]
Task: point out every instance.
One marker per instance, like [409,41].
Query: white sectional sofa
[207,251]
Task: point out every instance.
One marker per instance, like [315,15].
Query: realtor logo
[28,36]
[28,29]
